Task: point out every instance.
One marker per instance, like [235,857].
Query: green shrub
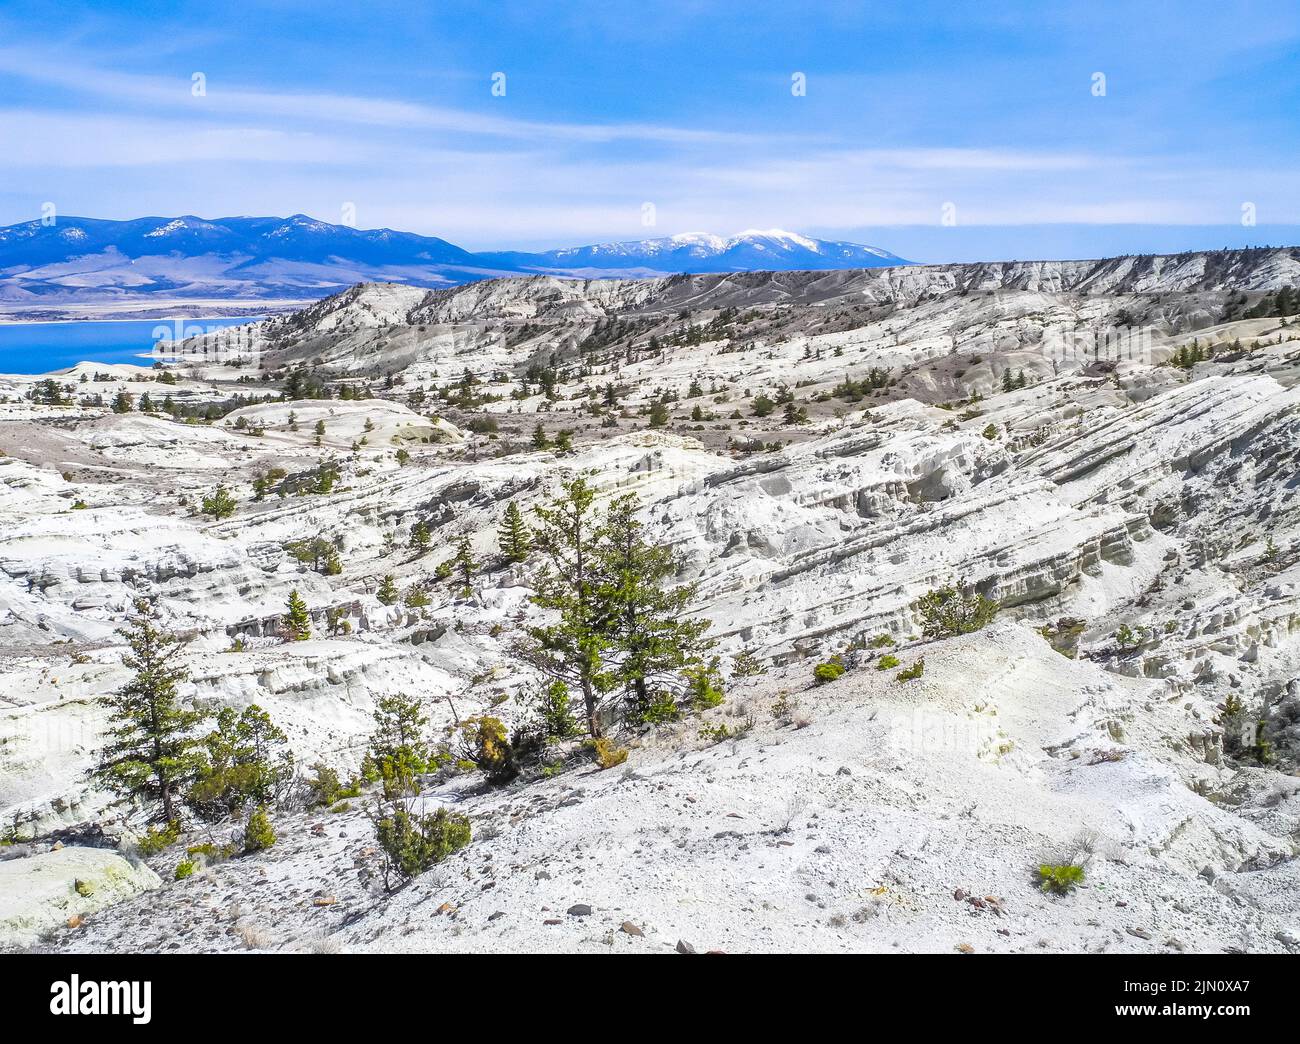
[485,744]
[220,504]
[887,662]
[715,733]
[882,641]
[411,843]
[1126,638]
[745,665]
[156,839]
[606,753]
[662,708]
[258,834]
[325,788]
[915,671]
[828,671]
[185,868]
[212,853]
[551,718]
[1059,879]
[948,612]
[704,684]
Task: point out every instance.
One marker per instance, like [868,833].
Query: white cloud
[150,147]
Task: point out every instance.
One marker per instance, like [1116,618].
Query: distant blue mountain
[86,260]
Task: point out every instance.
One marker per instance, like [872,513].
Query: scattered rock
[579,910]
[684,947]
[628,928]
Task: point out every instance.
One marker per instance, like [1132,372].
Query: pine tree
[398,750]
[220,504]
[47,393]
[659,415]
[1008,382]
[152,750]
[421,538]
[246,760]
[296,620]
[540,441]
[512,537]
[651,637]
[572,648]
[465,564]
[122,402]
[387,593]
[258,833]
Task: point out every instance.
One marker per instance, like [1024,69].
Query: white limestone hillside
[1135,514]
[892,817]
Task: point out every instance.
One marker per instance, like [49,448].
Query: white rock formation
[1144,516]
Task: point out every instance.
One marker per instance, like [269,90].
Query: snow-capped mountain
[752,250]
[84,260]
[93,261]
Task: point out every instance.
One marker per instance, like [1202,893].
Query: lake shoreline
[52,347]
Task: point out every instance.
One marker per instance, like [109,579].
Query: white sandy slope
[852,833]
[39,892]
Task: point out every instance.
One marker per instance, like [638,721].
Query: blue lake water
[44,347]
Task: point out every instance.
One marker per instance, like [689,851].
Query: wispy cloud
[706,130]
[72,73]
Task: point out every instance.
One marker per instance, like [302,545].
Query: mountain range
[94,261]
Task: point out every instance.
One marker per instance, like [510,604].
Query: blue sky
[990,109]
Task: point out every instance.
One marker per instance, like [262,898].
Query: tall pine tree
[152,752]
[513,537]
[464,562]
[296,620]
[650,637]
[572,648]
